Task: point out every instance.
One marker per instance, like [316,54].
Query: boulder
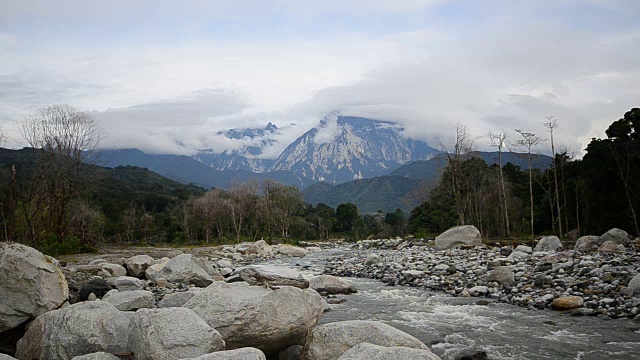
[6,357]
[97,356]
[634,284]
[271,275]
[78,329]
[184,269]
[246,353]
[130,300]
[616,235]
[366,351]
[518,255]
[567,302]
[172,333]
[373,259]
[128,283]
[611,247]
[176,299]
[524,248]
[97,286]
[503,275]
[138,264]
[293,352]
[470,354]
[260,248]
[31,284]
[548,243]
[114,269]
[256,316]
[330,341]
[587,243]
[290,250]
[466,235]
[331,285]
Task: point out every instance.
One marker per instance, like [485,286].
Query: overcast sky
[165,76]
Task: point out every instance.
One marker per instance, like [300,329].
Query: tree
[529,141]
[458,148]
[498,141]
[551,124]
[241,201]
[346,216]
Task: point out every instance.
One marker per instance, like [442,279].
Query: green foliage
[69,246]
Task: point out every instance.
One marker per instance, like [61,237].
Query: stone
[152,270]
[260,248]
[525,249]
[255,316]
[290,250]
[114,269]
[97,356]
[611,247]
[466,235]
[246,353]
[97,286]
[634,284]
[130,300]
[331,285]
[222,263]
[567,302]
[503,275]
[98,262]
[271,275]
[518,255]
[373,259]
[479,291]
[293,352]
[366,351]
[548,243]
[128,283]
[184,269]
[330,341]
[31,284]
[137,265]
[172,333]
[471,354]
[587,243]
[6,357]
[75,330]
[616,235]
[176,299]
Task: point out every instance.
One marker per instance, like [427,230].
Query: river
[447,324]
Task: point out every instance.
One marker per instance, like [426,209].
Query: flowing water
[448,324]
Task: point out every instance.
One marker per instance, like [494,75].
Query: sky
[166,76]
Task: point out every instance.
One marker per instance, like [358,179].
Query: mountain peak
[271,127]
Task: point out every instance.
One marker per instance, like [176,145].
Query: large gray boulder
[176,299]
[114,269]
[616,235]
[6,357]
[260,248]
[172,333]
[587,243]
[130,300]
[503,275]
[366,351]
[184,269]
[78,329]
[256,316]
[611,247]
[290,250]
[247,353]
[152,270]
[634,285]
[271,275]
[548,243]
[128,283]
[330,341]
[96,356]
[331,285]
[466,235]
[138,264]
[30,284]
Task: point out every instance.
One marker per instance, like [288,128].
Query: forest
[53,198]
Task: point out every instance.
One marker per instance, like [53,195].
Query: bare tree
[529,141]
[551,124]
[241,198]
[499,141]
[457,149]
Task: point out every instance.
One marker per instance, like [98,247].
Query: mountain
[385,193]
[344,148]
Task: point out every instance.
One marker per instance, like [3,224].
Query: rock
[611,247]
[567,302]
[114,269]
[441,267]
[548,243]
[246,353]
[503,275]
[128,283]
[97,286]
[634,284]
[479,291]
[259,247]
[331,285]
[176,299]
[184,269]
[271,275]
[6,357]
[172,333]
[130,300]
[78,329]
[471,354]
[97,356]
[255,316]
[542,280]
[466,235]
[587,243]
[98,262]
[330,341]
[373,259]
[152,270]
[31,284]
[293,352]
[366,351]
[518,255]
[525,249]
[616,235]
[224,263]
[572,235]
[138,264]
[289,250]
